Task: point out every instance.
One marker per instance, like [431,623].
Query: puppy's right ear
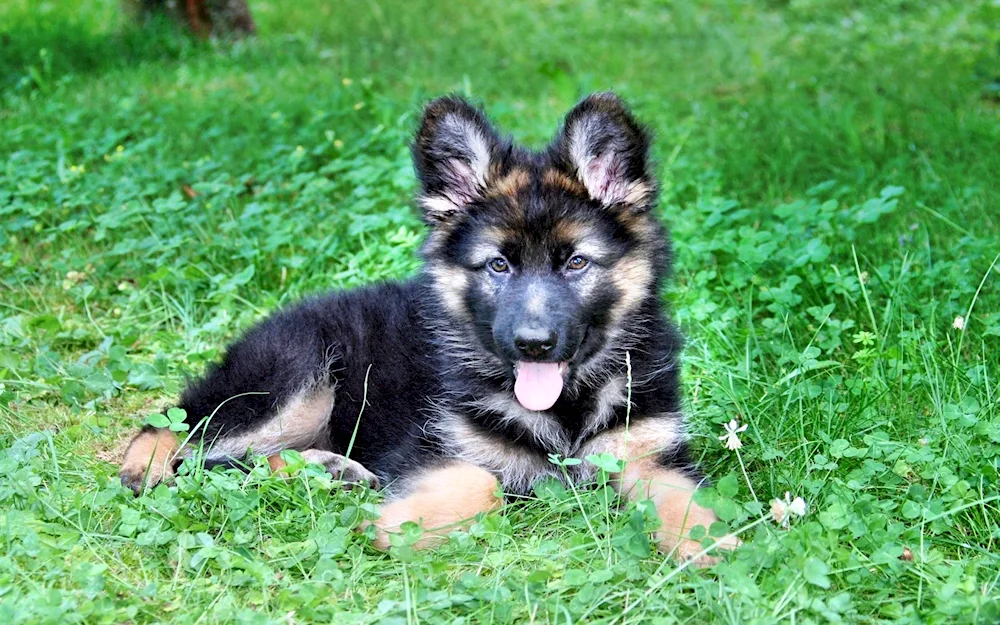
[455,154]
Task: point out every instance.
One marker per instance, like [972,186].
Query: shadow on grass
[38,55]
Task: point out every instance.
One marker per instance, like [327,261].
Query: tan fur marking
[556,178]
[450,283]
[296,426]
[638,193]
[640,225]
[669,489]
[640,440]
[276,462]
[672,491]
[439,500]
[569,231]
[511,184]
[632,276]
[150,455]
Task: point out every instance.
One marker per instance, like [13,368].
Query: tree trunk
[202,17]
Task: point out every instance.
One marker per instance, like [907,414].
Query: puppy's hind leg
[300,424]
[273,389]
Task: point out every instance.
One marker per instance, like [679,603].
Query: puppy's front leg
[439,500]
[672,490]
[666,479]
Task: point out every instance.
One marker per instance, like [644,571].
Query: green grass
[830,178]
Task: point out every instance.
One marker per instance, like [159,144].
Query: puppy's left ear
[455,152]
[604,147]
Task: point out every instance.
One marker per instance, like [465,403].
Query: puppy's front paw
[688,549]
[679,517]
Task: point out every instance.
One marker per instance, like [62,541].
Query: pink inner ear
[604,178]
[462,186]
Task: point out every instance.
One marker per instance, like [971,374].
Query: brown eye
[499,265]
[577,263]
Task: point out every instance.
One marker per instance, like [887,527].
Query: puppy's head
[544,256]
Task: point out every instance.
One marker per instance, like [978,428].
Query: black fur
[430,350]
[325,339]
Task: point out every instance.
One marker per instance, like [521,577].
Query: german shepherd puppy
[535,318]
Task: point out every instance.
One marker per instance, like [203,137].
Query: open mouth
[538,384]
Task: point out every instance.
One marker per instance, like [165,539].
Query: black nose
[534,343]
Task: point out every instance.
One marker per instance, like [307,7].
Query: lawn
[831,176]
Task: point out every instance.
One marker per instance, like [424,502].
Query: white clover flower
[782,510]
[730,438]
[958,323]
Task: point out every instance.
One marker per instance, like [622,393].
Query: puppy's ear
[605,148]
[456,152]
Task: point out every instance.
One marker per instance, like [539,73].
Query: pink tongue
[538,384]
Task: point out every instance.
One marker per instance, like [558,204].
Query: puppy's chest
[520,446]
